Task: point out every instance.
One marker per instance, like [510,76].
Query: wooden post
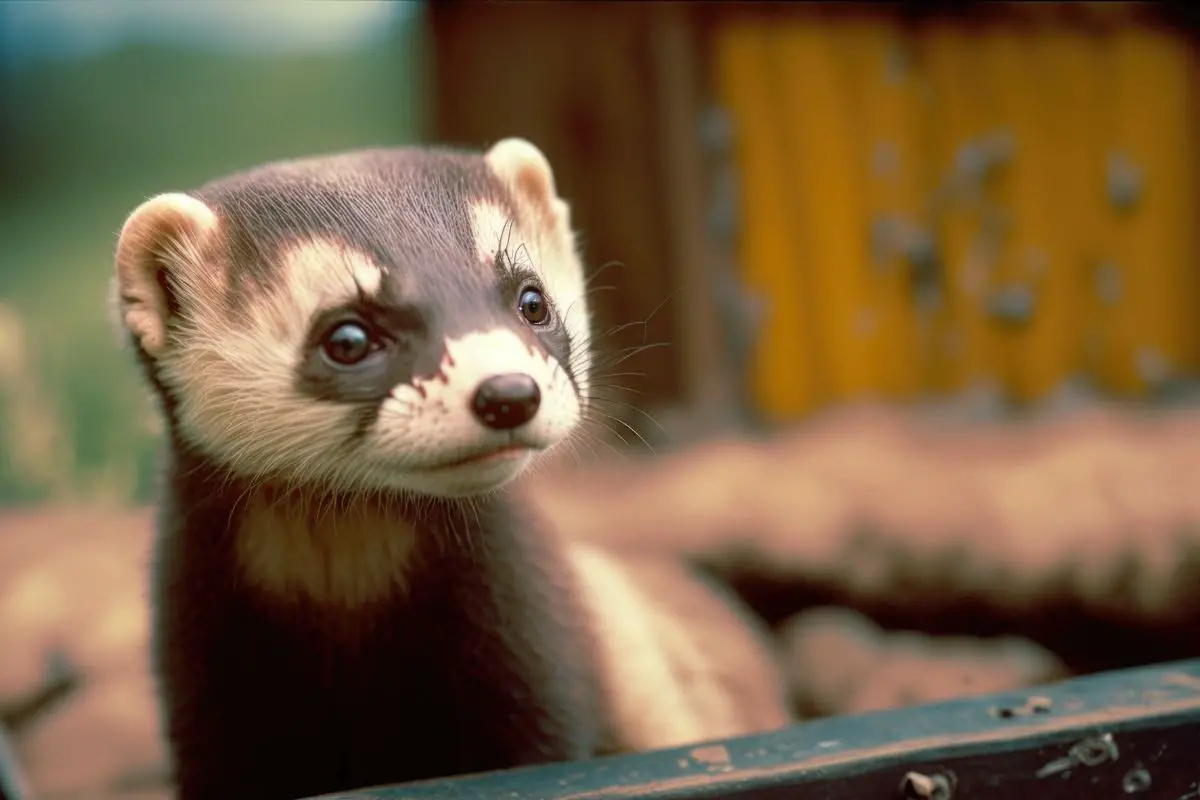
[710,385]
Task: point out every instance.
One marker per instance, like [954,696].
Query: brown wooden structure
[717,182]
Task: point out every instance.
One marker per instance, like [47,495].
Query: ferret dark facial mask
[388,319]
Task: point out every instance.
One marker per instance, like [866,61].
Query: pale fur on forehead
[315,274]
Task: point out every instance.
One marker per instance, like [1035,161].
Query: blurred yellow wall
[932,206]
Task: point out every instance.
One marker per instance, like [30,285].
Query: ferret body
[270,697]
[355,355]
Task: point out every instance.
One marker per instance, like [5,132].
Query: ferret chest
[339,554]
[442,639]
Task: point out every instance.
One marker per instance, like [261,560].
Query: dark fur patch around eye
[558,343]
[366,382]
[516,273]
[553,337]
[403,350]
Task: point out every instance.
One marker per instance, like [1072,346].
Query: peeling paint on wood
[1126,732]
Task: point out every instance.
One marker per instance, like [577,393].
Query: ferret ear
[526,170]
[160,236]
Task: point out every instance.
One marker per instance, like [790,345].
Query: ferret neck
[208,482]
[345,550]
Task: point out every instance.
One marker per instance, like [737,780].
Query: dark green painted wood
[1130,733]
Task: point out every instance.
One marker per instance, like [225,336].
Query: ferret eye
[348,344]
[533,307]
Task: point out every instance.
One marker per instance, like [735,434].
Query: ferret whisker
[589,438]
[601,270]
[600,386]
[637,409]
[625,425]
[624,355]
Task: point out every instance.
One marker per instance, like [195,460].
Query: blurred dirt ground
[75,583]
[873,513]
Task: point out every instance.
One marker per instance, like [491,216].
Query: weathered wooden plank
[966,136]
[1132,732]
[828,204]
[1032,300]
[786,373]
[888,126]
[1152,190]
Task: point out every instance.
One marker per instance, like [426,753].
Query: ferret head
[407,319]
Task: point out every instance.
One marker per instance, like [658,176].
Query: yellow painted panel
[834,132]
[1079,126]
[886,124]
[1039,349]
[967,347]
[1151,330]
[786,375]
[828,203]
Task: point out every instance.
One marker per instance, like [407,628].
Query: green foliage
[98,137]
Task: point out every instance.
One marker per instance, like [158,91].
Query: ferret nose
[504,402]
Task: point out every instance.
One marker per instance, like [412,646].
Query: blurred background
[899,300]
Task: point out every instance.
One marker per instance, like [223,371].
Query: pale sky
[36,29]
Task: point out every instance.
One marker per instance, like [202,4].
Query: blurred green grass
[97,137]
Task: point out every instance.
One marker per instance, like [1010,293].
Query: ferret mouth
[488,455]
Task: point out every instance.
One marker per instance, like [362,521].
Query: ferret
[355,356]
